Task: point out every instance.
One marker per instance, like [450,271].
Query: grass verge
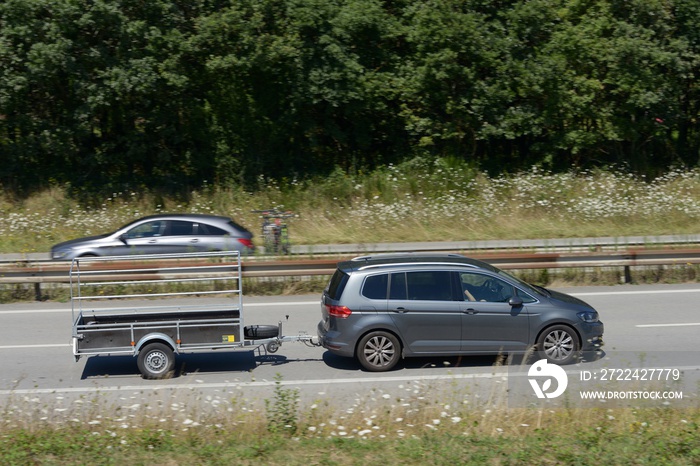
[421,200]
[412,430]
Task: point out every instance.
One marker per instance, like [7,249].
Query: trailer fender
[151,337]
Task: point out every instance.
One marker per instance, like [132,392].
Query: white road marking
[503,375]
[50,345]
[231,385]
[679,324]
[68,309]
[312,303]
[613,293]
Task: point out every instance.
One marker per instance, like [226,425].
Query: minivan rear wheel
[378,351]
[559,345]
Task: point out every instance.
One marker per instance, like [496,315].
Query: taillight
[246,242]
[342,312]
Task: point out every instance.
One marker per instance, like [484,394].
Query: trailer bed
[119,333]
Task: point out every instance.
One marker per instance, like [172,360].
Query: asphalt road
[644,326]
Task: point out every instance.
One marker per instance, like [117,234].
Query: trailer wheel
[156,361]
[259,332]
[272,347]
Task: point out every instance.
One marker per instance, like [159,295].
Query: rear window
[337,284]
[375,286]
[236,226]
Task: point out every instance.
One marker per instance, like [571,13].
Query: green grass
[416,201]
[412,430]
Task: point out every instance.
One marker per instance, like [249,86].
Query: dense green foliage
[107,95]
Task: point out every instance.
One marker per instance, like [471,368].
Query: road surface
[658,323]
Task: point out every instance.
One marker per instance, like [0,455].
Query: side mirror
[123,238]
[515,301]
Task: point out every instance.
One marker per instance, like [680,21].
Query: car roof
[183,216]
[214,219]
[395,259]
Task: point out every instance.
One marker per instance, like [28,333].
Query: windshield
[526,286]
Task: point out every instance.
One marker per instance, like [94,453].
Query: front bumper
[592,336]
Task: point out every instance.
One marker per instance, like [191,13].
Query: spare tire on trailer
[259,332]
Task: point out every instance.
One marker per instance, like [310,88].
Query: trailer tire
[259,332]
[156,361]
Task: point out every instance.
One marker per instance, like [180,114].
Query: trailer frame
[154,334]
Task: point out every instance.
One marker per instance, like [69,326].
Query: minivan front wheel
[379,351]
[558,345]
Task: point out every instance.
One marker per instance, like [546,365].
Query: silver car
[162,234]
[381,308]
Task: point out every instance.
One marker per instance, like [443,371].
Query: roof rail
[403,255]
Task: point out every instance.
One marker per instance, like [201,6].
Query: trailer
[154,307]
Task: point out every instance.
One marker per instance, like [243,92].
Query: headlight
[588,316]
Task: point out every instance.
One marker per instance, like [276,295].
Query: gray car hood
[79,241]
[567,298]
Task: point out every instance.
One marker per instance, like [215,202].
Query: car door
[424,309]
[489,322]
[179,236]
[144,238]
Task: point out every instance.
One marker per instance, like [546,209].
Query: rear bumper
[329,340]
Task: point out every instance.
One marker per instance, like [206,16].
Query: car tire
[156,361]
[558,344]
[260,332]
[378,351]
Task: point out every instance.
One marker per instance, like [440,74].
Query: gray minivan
[381,308]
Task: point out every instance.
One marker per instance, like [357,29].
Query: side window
[398,286]
[180,228]
[525,297]
[375,286]
[429,286]
[479,287]
[208,230]
[147,230]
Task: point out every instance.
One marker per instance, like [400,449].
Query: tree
[107,96]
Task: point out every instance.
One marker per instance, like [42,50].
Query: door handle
[401,310]
[471,311]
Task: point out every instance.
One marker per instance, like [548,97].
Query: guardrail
[40,272]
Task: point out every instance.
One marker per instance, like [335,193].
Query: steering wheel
[493,289]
